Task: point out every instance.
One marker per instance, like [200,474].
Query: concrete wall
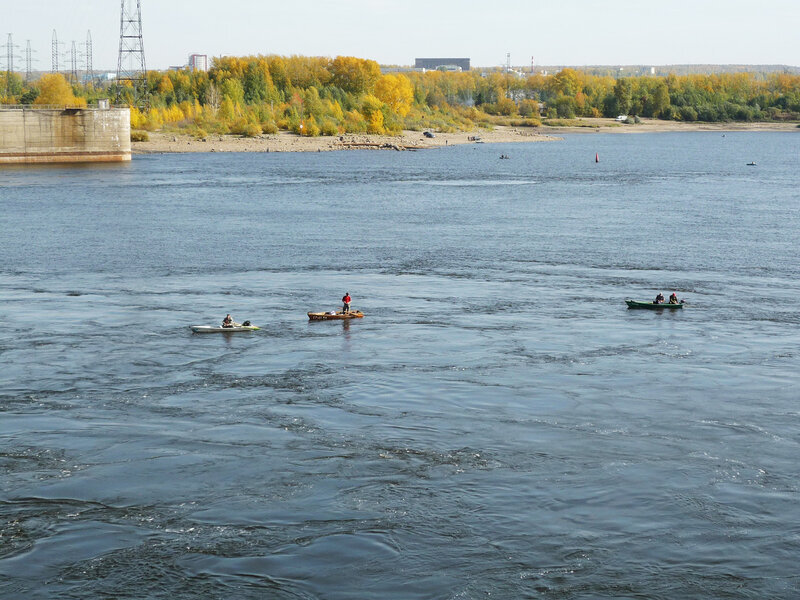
[33,135]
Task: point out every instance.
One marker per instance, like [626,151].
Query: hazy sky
[555,32]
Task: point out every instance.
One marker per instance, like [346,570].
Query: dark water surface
[498,426]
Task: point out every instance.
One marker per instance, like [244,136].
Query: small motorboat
[653,305]
[335,316]
[220,329]
[751,164]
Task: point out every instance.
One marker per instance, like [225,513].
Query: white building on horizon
[198,62]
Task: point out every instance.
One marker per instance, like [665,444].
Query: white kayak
[218,329]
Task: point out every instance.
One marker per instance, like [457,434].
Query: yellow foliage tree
[354,122]
[138,120]
[334,109]
[187,109]
[173,114]
[396,91]
[54,89]
[309,127]
[165,86]
[375,123]
[371,109]
[154,120]
[354,75]
[566,82]
[227,110]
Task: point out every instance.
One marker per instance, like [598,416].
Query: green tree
[257,83]
[622,93]
[10,84]
[565,107]
[232,88]
[660,100]
[29,96]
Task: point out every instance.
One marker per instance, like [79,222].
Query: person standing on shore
[346,302]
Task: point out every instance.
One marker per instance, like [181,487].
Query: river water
[499,425]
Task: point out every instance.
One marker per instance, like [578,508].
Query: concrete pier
[62,135]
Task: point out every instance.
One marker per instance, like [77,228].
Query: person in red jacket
[346,302]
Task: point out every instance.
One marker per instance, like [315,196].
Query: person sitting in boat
[346,302]
[227,321]
[659,299]
[673,298]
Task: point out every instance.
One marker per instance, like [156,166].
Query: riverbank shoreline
[587,125]
[284,141]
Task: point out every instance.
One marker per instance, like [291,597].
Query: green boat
[653,305]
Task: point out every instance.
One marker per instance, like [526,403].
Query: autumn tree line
[314,96]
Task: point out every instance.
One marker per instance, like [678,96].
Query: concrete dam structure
[62,135]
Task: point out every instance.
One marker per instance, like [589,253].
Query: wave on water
[469,182]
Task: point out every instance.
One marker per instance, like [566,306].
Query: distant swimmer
[346,302]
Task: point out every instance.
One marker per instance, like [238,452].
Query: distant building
[443,64]
[198,62]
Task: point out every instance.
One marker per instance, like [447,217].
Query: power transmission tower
[28,61]
[508,74]
[9,63]
[9,55]
[131,69]
[89,70]
[54,54]
[73,59]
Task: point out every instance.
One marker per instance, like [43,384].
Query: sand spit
[414,140]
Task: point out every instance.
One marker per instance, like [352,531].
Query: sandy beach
[587,125]
[285,141]
[169,142]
